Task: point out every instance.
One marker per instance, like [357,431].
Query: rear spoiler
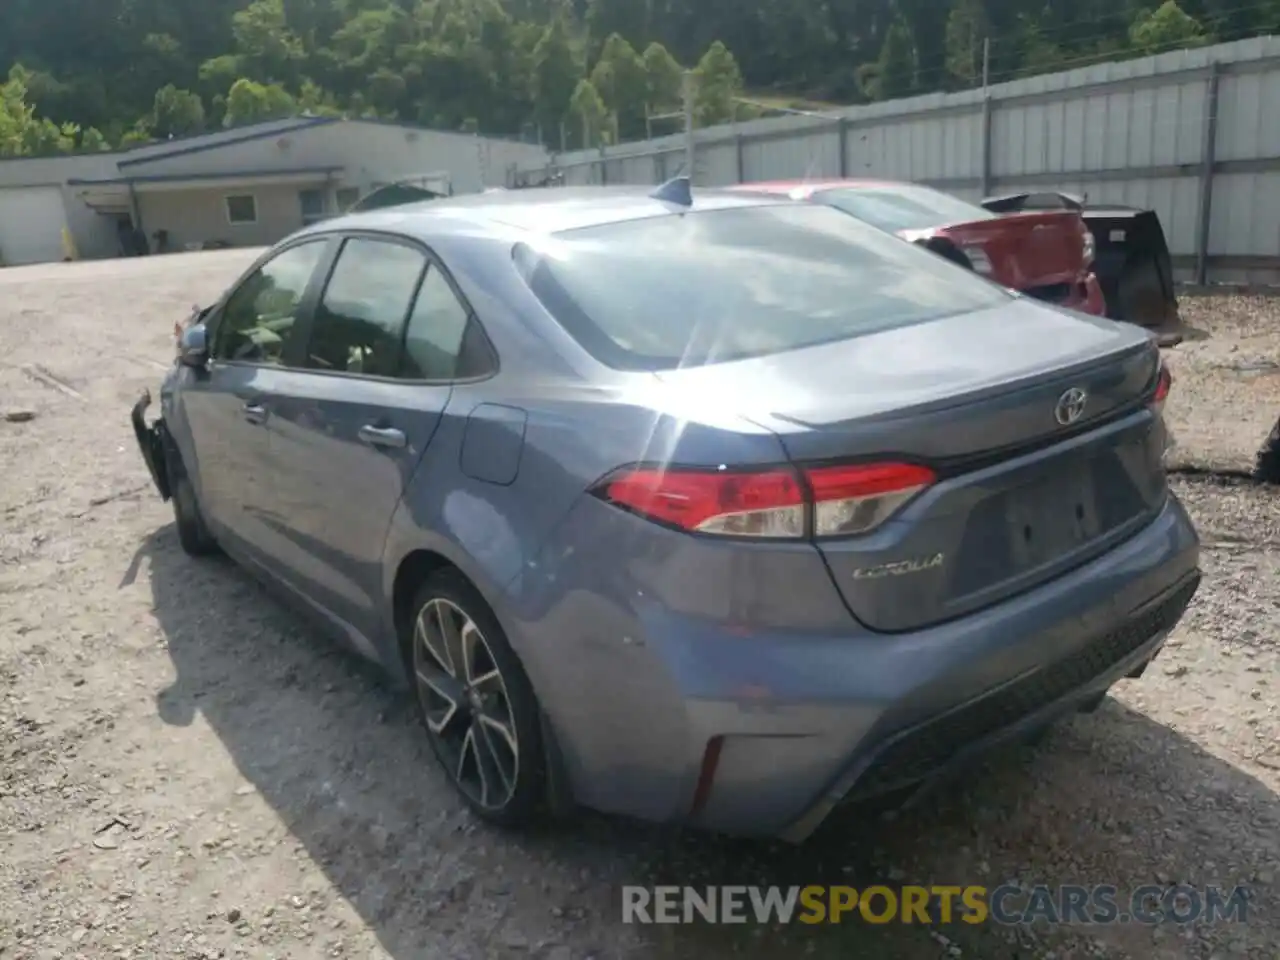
[1018,202]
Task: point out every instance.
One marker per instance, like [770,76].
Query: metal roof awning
[114,195]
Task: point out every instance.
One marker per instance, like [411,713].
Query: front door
[228,406]
[351,427]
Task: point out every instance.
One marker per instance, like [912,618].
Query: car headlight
[978,257]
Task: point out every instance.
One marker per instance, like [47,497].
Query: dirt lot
[187,771]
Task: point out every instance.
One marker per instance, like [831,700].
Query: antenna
[676,190]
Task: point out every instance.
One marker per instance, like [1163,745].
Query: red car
[1044,254]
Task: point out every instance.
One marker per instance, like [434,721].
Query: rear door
[228,405]
[355,418]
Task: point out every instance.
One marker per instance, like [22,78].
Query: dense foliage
[86,74]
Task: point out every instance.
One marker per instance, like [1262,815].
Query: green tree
[317,101]
[556,71]
[506,66]
[588,107]
[93,141]
[1165,28]
[252,102]
[967,29]
[176,113]
[139,133]
[622,81]
[15,114]
[893,75]
[664,87]
[263,41]
[22,133]
[717,86]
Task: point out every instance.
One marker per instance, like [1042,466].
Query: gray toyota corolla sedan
[707,508]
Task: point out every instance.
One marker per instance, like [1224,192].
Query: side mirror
[193,346]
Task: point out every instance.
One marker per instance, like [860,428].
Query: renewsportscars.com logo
[1008,905]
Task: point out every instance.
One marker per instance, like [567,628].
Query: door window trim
[305,305]
[338,238]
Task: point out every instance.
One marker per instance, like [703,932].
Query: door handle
[382,436]
[255,413]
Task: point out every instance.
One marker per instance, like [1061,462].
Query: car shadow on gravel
[1113,798]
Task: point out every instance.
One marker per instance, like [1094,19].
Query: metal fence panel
[1187,133]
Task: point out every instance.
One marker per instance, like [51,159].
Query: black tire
[193,535]
[501,775]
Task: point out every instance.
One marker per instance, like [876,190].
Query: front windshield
[906,206]
[687,289]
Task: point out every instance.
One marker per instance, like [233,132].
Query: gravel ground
[187,771]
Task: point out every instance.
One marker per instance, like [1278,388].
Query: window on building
[359,324]
[312,204]
[242,208]
[347,197]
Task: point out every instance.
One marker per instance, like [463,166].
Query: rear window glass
[720,285]
[903,206]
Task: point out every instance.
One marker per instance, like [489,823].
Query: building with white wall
[247,186]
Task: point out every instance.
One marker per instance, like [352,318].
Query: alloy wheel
[465,702]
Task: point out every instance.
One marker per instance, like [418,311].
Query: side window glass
[259,314]
[437,325]
[359,324]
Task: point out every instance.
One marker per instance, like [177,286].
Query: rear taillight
[779,502]
[1164,381]
[860,497]
[766,504]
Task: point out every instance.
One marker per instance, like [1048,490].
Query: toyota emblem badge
[1070,406]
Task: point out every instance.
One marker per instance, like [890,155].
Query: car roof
[535,210]
[806,188]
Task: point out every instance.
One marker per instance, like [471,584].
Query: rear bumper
[763,731]
[152,443]
[942,747]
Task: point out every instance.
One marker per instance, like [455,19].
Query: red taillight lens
[766,504]
[840,500]
[1163,383]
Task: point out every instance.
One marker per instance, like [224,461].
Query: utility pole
[688,122]
[986,116]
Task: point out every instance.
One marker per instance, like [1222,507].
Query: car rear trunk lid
[1026,250]
[1020,496]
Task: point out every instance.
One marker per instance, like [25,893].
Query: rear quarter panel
[489,509]
[494,531]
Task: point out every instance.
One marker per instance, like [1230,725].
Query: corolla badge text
[899,568]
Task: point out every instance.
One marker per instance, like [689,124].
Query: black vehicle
[1132,262]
